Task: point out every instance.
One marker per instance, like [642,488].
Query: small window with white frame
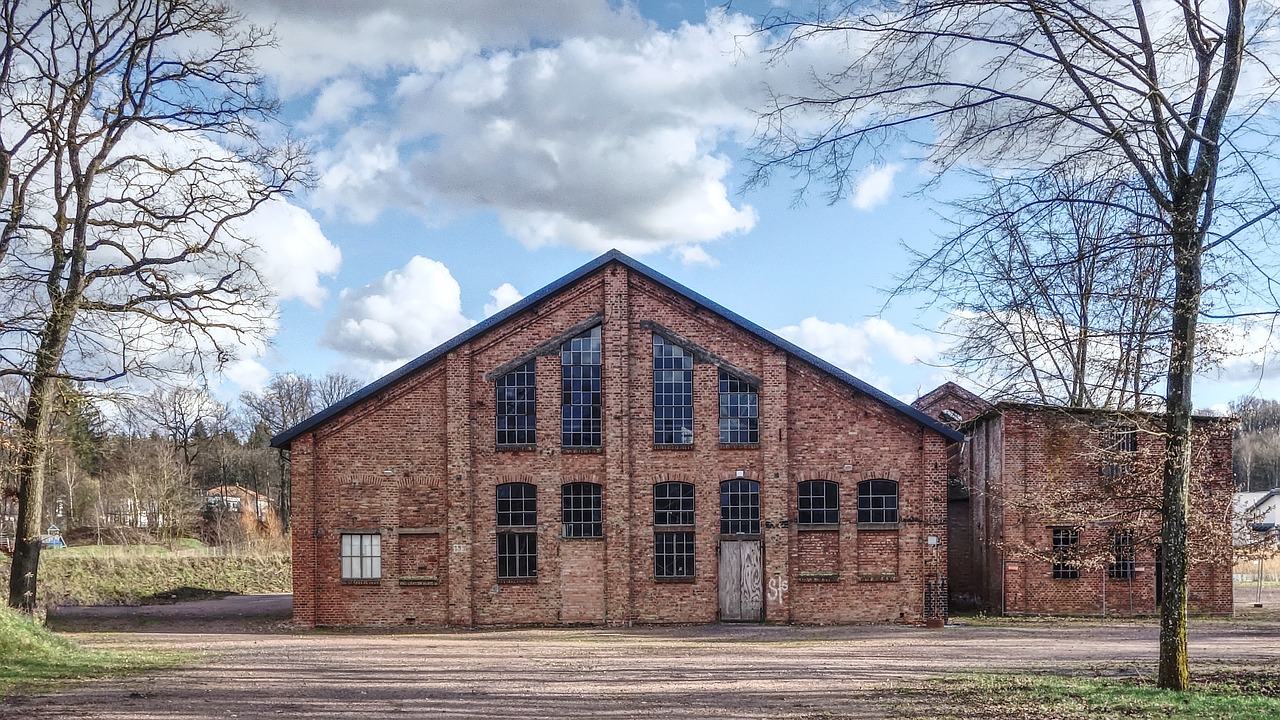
[361,556]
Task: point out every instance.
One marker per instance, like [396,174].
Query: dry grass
[1247,570]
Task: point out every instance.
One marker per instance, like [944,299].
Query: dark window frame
[672,393]
[581,391]
[673,554]
[876,504]
[740,507]
[818,502]
[1124,555]
[1119,444]
[516,508]
[515,407]
[1065,546]
[673,509]
[581,510]
[739,410]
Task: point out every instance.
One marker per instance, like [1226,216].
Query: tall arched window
[818,502]
[877,501]
[740,507]
[517,509]
[673,530]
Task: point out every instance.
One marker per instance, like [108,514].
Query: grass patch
[1218,695]
[33,657]
[93,575]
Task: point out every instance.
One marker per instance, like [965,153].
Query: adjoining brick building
[616,448]
[1056,511]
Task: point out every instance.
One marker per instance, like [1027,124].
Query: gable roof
[613,256]
[973,404]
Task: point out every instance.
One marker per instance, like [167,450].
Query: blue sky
[471,152]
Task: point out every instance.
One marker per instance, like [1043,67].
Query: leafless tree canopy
[137,139]
[1173,99]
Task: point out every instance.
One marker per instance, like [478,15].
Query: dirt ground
[252,665]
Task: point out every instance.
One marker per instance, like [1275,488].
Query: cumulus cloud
[854,347]
[399,316]
[504,296]
[874,186]
[580,124]
[292,252]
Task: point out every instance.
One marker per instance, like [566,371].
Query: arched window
[740,507]
[877,501]
[818,502]
[673,530]
[580,510]
[517,509]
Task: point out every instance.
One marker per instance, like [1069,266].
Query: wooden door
[741,581]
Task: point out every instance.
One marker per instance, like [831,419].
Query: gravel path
[253,667]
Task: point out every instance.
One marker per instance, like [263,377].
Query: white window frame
[361,555]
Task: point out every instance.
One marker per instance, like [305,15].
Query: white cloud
[337,102]
[695,255]
[401,315]
[247,374]
[292,252]
[874,186]
[504,296]
[854,347]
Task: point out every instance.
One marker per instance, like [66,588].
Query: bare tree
[1149,93]
[1053,302]
[135,143]
[179,413]
[333,387]
[287,400]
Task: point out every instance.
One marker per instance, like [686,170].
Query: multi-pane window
[580,510]
[361,556]
[517,421]
[877,501]
[740,507]
[673,554]
[672,547]
[1119,443]
[1066,553]
[739,410]
[580,391]
[819,502]
[517,507]
[672,393]
[1124,560]
[673,503]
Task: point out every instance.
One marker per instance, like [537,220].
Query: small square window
[361,556]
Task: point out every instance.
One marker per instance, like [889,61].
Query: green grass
[114,575]
[32,657]
[1218,695]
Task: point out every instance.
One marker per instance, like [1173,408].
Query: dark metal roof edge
[284,438]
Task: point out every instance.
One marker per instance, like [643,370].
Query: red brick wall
[418,465]
[1030,469]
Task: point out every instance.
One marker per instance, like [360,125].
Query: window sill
[877,526]
[674,580]
[673,446]
[818,527]
[739,446]
[877,577]
[515,448]
[581,450]
[589,538]
[419,580]
[818,577]
[361,581]
[518,581]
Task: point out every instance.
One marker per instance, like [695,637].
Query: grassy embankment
[33,657]
[131,574]
[1219,695]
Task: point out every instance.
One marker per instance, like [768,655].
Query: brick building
[614,449]
[1056,511]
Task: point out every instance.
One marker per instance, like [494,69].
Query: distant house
[1056,510]
[232,512]
[1258,511]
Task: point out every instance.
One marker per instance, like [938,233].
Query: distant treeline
[1257,447]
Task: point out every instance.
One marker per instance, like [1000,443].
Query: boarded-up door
[741,580]
[582,582]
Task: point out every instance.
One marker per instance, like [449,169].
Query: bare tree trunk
[31,461]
